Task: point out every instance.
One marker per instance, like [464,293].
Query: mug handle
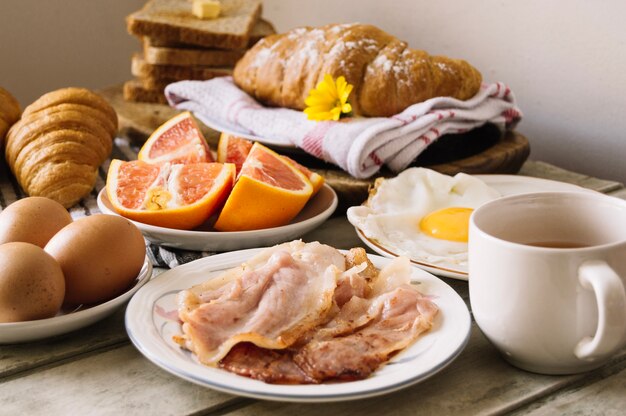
[610,294]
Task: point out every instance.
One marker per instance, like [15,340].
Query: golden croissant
[57,146]
[387,75]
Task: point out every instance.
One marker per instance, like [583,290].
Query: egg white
[392,215]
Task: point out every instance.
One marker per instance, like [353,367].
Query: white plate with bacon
[341,325]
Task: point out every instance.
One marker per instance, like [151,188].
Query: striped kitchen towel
[10,191]
[359,145]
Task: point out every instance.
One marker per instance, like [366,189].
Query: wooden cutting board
[504,154]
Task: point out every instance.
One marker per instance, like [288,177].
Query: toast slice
[135,91]
[186,55]
[156,75]
[158,55]
[261,29]
[172,21]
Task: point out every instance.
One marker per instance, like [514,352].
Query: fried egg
[422,214]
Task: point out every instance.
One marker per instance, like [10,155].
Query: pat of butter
[206,9]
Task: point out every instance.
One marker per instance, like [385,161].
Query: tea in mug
[558,244]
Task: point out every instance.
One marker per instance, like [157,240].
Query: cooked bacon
[398,317]
[271,301]
[362,335]
[358,277]
[271,366]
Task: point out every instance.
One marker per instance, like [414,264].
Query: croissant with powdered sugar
[387,75]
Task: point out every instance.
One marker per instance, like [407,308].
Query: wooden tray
[506,155]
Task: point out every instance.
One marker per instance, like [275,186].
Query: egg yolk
[447,224]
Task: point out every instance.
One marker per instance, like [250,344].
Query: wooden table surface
[97,371]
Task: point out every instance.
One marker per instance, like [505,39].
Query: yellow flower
[329,99]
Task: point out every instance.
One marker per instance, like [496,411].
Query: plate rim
[195,233]
[382,250]
[215,125]
[485,177]
[237,257]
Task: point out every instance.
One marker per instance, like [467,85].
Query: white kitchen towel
[358,145]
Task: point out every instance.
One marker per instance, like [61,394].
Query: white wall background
[565,60]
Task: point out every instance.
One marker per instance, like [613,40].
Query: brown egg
[100,256]
[31,283]
[32,220]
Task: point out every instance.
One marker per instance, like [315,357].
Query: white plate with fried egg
[424,215]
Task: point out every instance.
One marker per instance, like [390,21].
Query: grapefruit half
[233,149]
[178,140]
[180,196]
[269,192]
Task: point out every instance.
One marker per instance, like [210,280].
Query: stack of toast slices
[178,46]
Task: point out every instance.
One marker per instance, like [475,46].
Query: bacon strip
[269,303]
[362,335]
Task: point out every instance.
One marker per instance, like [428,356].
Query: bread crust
[30,128]
[83,146]
[9,113]
[97,114]
[73,95]
[172,21]
[387,75]
[163,74]
[9,107]
[261,29]
[57,146]
[135,91]
[156,55]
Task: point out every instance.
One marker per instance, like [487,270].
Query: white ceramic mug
[550,310]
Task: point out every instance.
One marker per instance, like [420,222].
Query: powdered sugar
[381,61]
[265,55]
[341,47]
[261,57]
[400,68]
[342,27]
[443,67]
[308,51]
[309,42]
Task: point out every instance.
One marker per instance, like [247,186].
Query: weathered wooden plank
[547,171]
[108,333]
[604,397]
[620,193]
[478,382]
[17,358]
[119,381]
[94,371]
[336,231]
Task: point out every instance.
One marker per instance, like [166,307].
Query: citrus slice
[317,180]
[180,196]
[269,192]
[178,140]
[233,149]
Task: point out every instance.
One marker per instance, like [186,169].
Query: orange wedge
[178,140]
[269,192]
[180,196]
[233,149]
[317,180]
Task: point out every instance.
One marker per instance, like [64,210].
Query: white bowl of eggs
[424,215]
[58,275]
